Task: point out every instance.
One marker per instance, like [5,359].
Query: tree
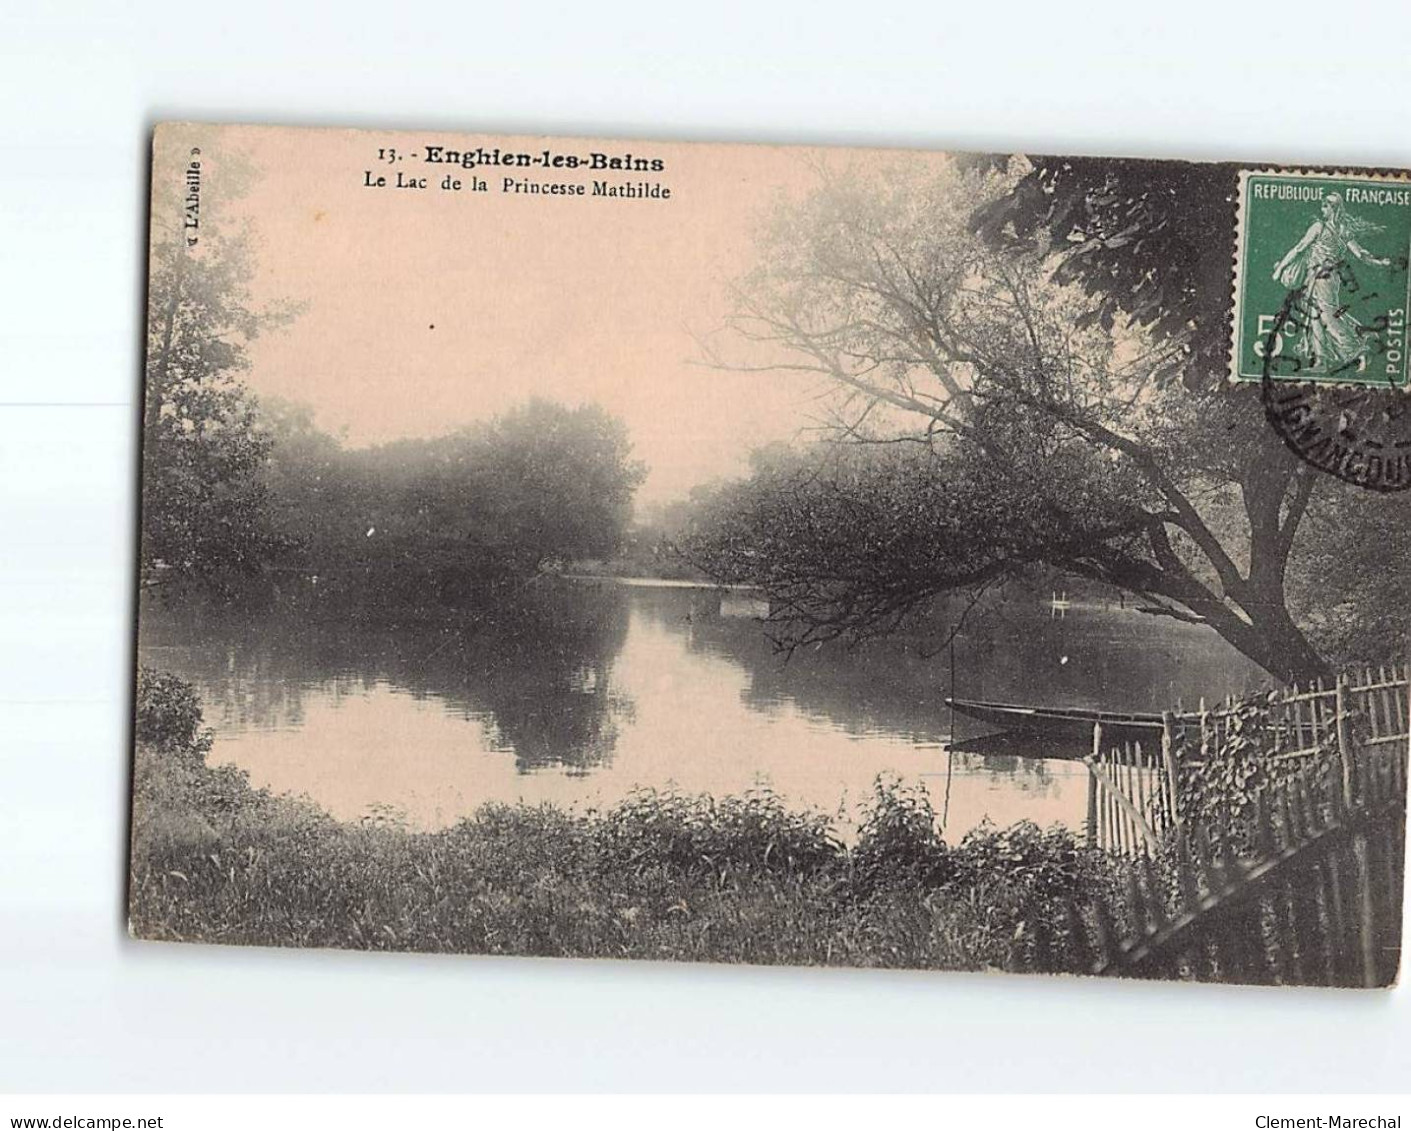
[1347,583]
[1053,428]
[203,517]
[850,540]
[553,483]
[1149,242]
[450,519]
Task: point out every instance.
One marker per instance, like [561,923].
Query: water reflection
[592,689]
[539,683]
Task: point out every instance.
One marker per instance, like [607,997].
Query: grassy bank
[660,875]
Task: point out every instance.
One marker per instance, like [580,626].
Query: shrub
[898,843]
[698,835]
[175,794]
[1034,863]
[168,716]
[1028,887]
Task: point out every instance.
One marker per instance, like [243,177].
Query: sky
[424,309]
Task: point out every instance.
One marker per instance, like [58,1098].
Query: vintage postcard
[626,549]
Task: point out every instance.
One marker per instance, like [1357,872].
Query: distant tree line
[449,519]
[243,499]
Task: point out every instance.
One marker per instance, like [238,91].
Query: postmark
[1322,292]
[1359,434]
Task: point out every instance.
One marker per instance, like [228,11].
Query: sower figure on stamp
[1330,339]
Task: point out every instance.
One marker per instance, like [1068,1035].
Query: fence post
[1092,788]
[1168,762]
[1366,914]
[1344,742]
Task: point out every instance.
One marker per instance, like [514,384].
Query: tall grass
[660,875]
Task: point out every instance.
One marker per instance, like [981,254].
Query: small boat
[1061,722]
[1022,744]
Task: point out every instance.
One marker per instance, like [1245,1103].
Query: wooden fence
[1294,876]
[1132,794]
[1135,799]
[1369,706]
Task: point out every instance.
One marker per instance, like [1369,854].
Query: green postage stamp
[1321,281]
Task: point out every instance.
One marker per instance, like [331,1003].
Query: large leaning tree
[1034,352]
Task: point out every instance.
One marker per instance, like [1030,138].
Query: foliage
[660,875]
[168,715]
[1008,368]
[1038,864]
[175,778]
[855,541]
[1221,780]
[233,491]
[1147,242]
[437,521]
[1346,584]
[204,523]
[898,843]
[718,839]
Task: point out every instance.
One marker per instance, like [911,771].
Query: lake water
[605,687]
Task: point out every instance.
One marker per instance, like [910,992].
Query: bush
[168,715]
[175,794]
[698,835]
[898,843]
[1035,863]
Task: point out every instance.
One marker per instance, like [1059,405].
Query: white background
[80,85]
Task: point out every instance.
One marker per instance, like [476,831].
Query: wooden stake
[1367,916]
[1168,760]
[1091,825]
[1344,741]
